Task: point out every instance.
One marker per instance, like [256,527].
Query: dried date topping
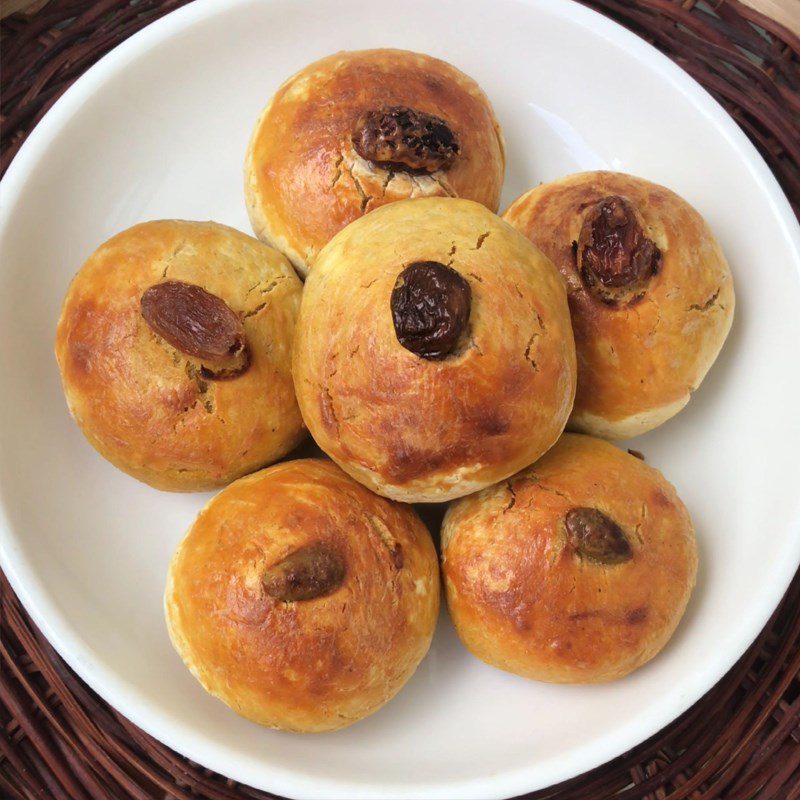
[308,573]
[430,309]
[596,537]
[198,324]
[402,138]
[614,257]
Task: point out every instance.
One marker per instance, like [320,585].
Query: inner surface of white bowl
[159,130]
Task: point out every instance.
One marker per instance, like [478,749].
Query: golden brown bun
[524,599]
[145,405]
[314,664]
[638,361]
[304,181]
[422,430]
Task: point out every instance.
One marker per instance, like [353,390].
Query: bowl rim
[165,728]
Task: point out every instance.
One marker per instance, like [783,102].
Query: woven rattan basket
[740,742]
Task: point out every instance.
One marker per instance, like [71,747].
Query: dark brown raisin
[200,325]
[596,537]
[402,138]
[614,257]
[308,573]
[430,308]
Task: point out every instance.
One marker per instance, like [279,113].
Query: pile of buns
[436,352]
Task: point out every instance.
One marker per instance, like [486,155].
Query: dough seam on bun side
[627,428]
[402,495]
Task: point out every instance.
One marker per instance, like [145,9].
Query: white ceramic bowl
[159,129]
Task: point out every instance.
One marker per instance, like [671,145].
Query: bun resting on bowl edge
[650,292]
[302,600]
[576,570]
[174,346]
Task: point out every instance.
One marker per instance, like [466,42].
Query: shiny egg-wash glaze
[643,349]
[154,411]
[305,178]
[422,429]
[527,594]
[302,600]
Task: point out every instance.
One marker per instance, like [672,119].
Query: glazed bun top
[302,600]
[174,345]
[357,130]
[650,292]
[434,353]
[577,569]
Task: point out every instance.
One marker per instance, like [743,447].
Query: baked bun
[357,130]
[650,292]
[301,600]
[433,353]
[174,346]
[577,570]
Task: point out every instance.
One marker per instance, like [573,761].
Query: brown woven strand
[740,742]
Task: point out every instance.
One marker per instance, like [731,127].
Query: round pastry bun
[577,570]
[301,600]
[428,428]
[307,174]
[174,420]
[647,327]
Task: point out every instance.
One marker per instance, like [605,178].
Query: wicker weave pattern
[740,742]
[754,74]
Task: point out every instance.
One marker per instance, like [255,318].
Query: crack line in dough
[528,357]
[481,239]
[338,171]
[710,303]
[365,198]
[513,501]
[175,253]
